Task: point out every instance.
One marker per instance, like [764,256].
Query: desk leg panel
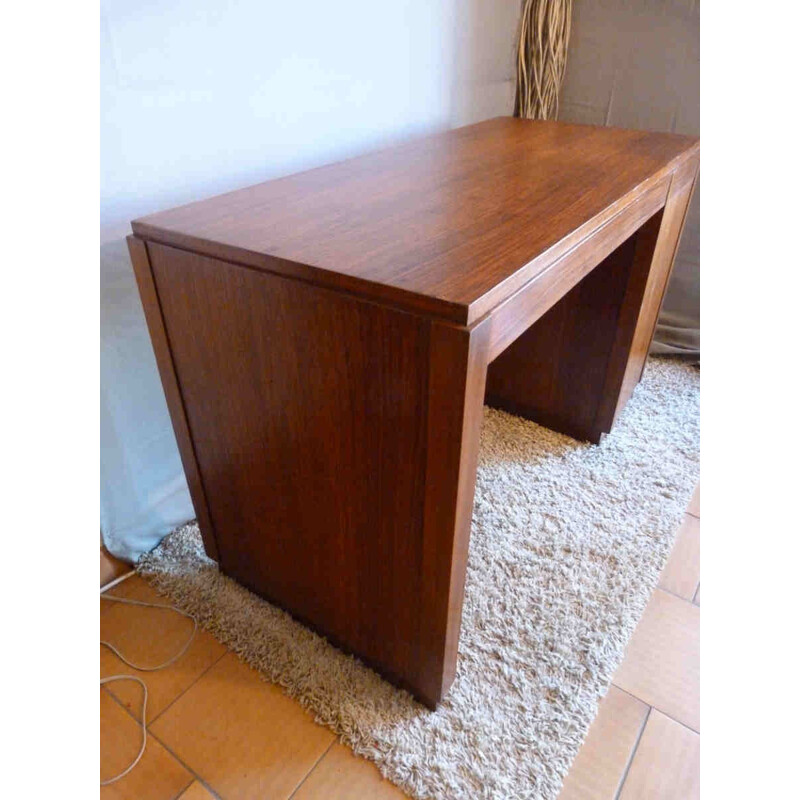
[322,429]
[455,413]
[663,260]
[562,371]
[574,369]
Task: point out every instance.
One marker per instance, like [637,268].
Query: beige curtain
[636,64]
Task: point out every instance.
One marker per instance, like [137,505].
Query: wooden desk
[326,342]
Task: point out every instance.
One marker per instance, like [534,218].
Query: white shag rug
[567,543]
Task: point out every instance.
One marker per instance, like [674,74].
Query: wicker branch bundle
[541,57]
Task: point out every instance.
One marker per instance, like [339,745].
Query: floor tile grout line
[669,591]
[685,599]
[633,753]
[183,791]
[197,777]
[660,711]
[202,782]
[171,702]
[206,784]
[121,705]
[150,733]
[125,708]
[194,775]
[316,764]
[181,694]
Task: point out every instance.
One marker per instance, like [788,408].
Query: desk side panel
[166,368]
[309,418]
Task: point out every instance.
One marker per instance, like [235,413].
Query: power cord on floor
[138,758]
[141,668]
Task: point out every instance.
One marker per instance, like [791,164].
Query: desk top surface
[449,225]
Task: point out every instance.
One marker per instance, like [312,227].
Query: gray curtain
[636,64]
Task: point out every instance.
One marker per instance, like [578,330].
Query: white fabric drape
[143,491]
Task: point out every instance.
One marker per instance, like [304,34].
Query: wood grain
[566,370]
[450,225]
[682,187]
[577,365]
[457,377]
[516,314]
[324,342]
[338,441]
[172,392]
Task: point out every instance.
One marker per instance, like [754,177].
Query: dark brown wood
[566,370]
[324,342]
[527,304]
[456,381]
[329,431]
[677,207]
[450,225]
[575,368]
[611,399]
[172,392]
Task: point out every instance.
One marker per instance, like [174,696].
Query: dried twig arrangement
[541,57]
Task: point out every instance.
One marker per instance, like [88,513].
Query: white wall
[202,96]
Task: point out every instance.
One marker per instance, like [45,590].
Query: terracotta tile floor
[217,731]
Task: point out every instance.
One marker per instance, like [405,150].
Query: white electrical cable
[144,724]
[112,584]
[141,668]
[130,602]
